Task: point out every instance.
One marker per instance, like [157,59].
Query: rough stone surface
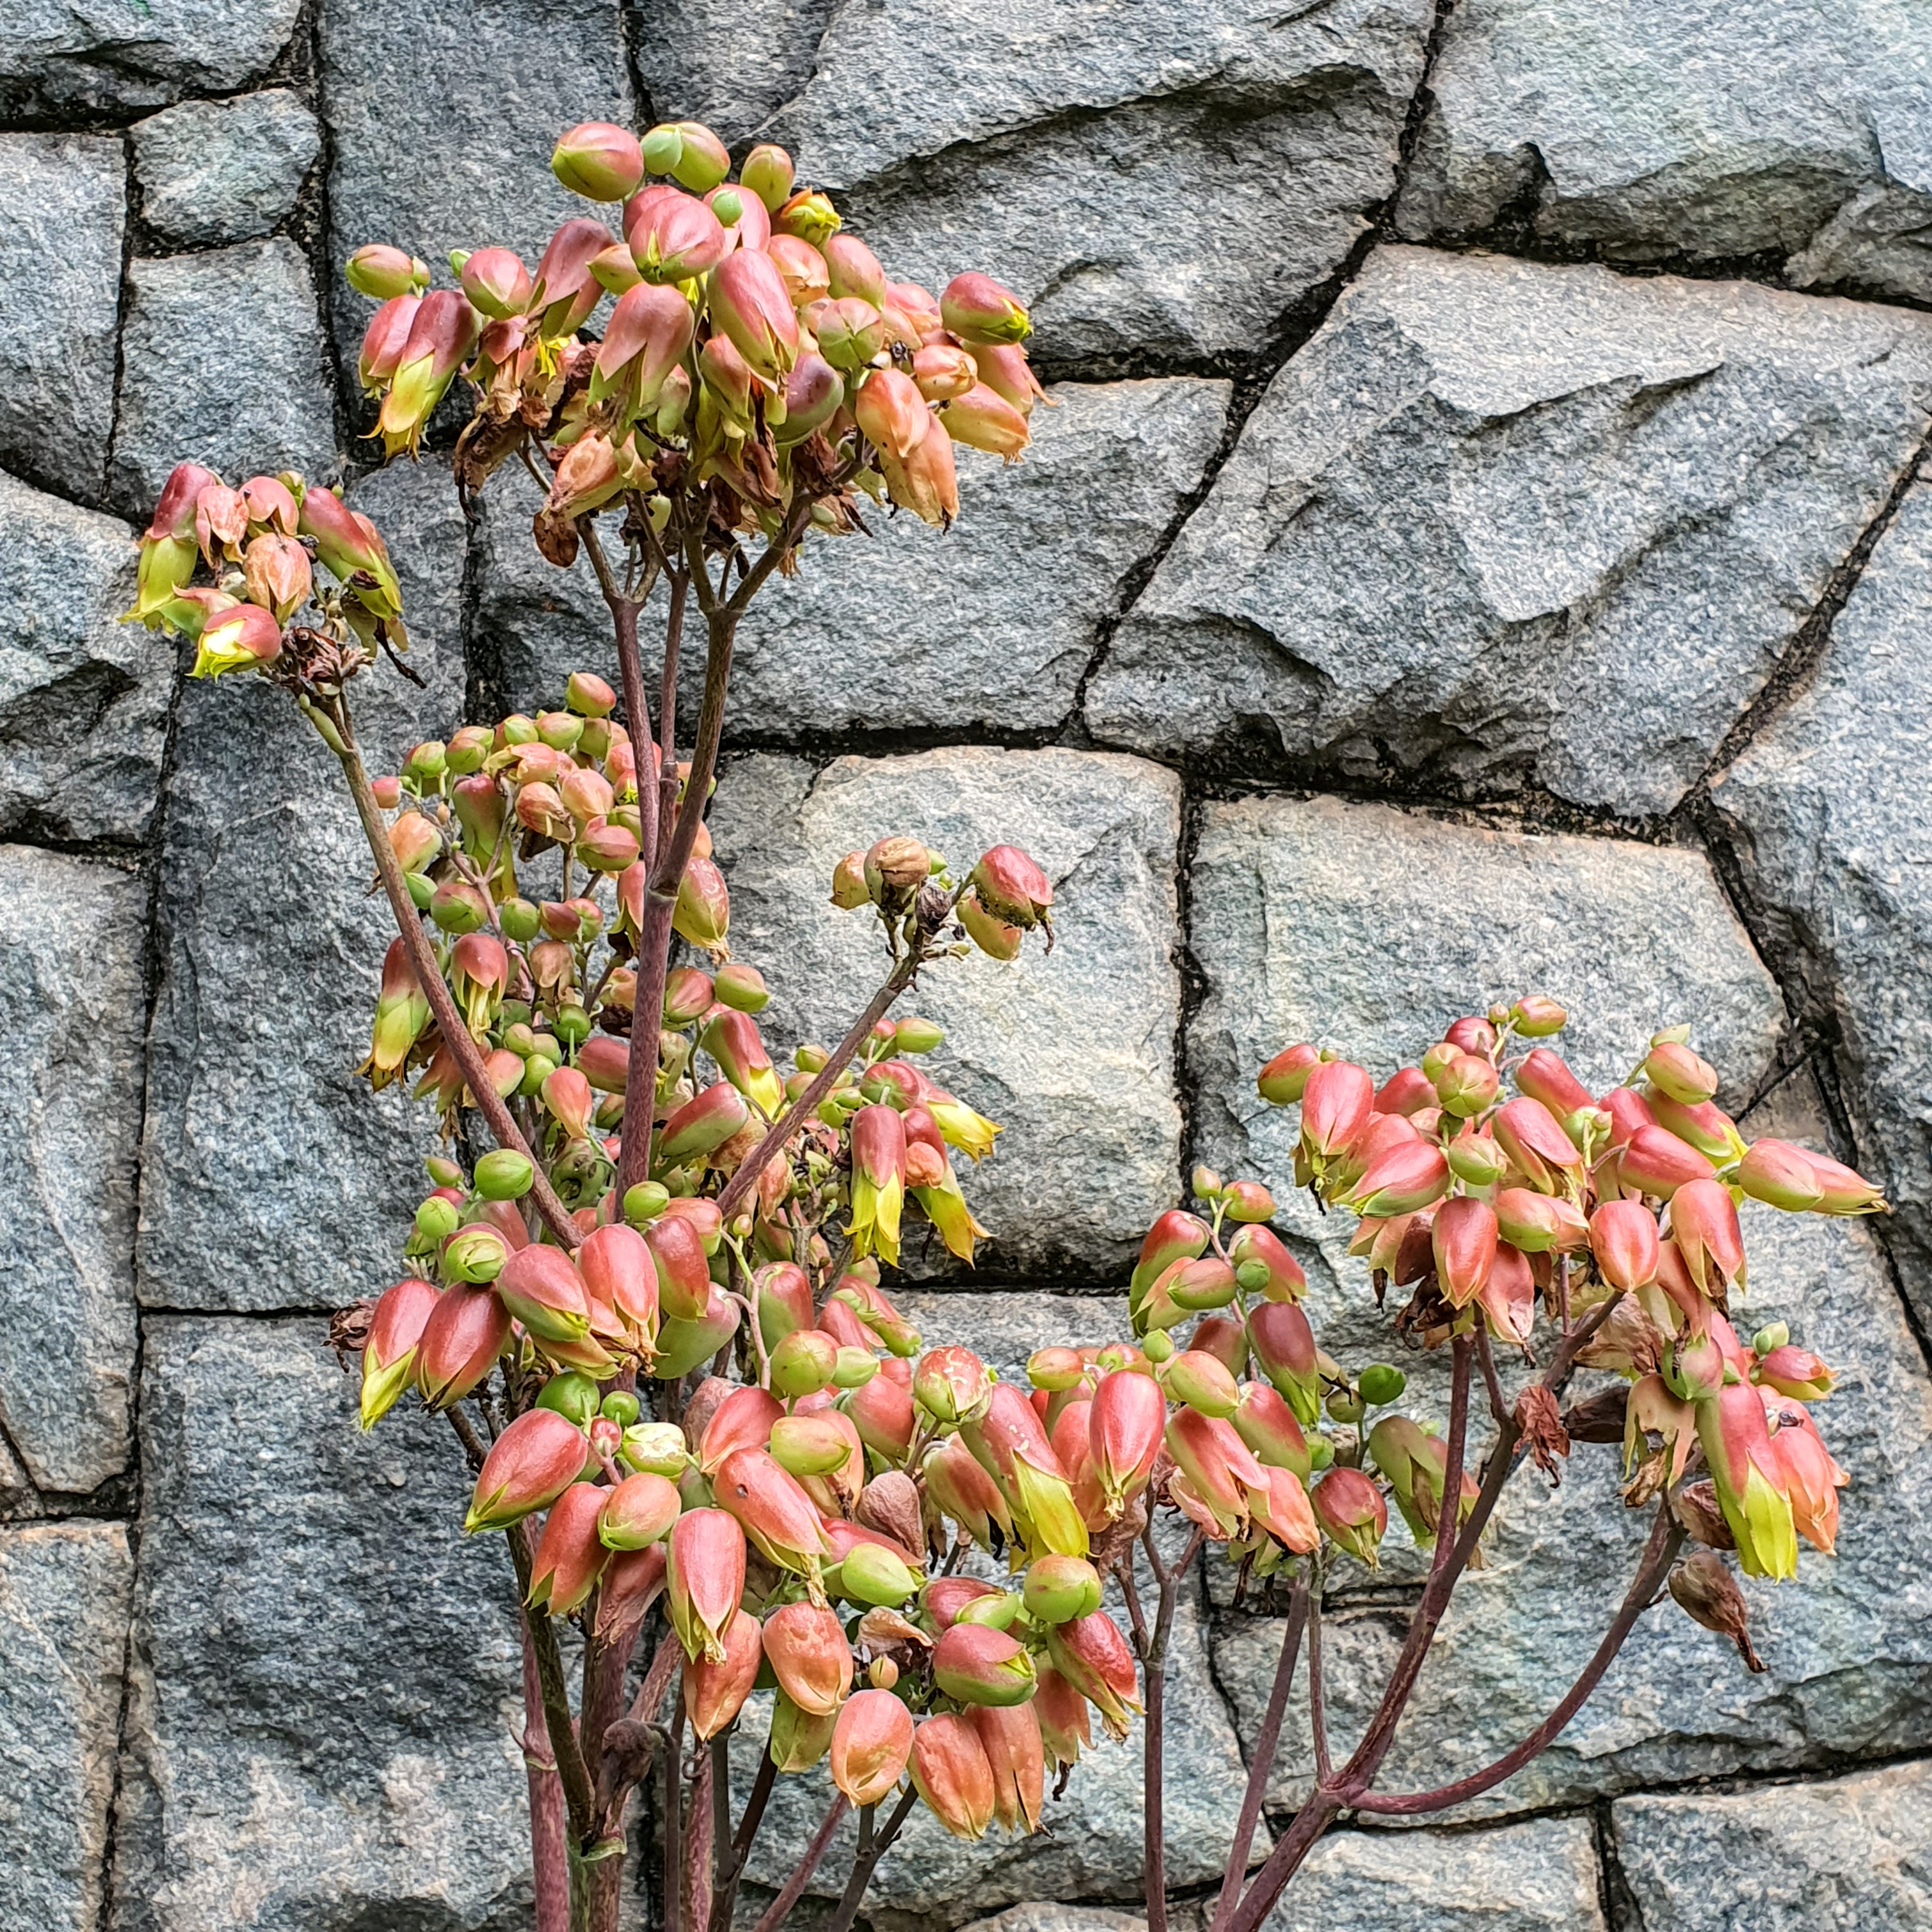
[729,63]
[1846,1856]
[1037,1917]
[1071,1052]
[444,115]
[83,697]
[1166,182]
[535,624]
[1003,1327]
[1089,1847]
[1537,1877]
[63,206]
[1689,129]
[1834,838]
[1849,1664]
[314,1640]
[271,1177]
[1370,929]
[59,58]
[221,363]
[64,1601]
[212,172]
[70,986]
[1501,525]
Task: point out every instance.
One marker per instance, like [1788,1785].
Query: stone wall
[1479,544]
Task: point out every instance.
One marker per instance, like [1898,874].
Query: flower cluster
[750,343]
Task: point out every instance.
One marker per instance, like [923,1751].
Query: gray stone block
[1847,1644]
[223,364]
[272,1177]
[214,172]
[1164,181]
[729,63]
[1537,1877]
[443,115]
[59,58]
[64,1602]
[1368,930]
[1829,812]
[1846,1855]
[72,936]
[1073,1052]
[326,1672]
[1502,526]
[1626,127]
[83,696]
[63,205]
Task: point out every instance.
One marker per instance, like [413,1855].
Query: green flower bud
[437,1219]
[571,1025]
[854,1368]
[619,1406]
[1320,1452]
[1158,1345]
[645,1202]
[872,1575]
[995,1613]
[537,1070]
[504,1174]
[658,1447]
[573,1394]
[1775,1335]
[1343,1407]
[1380,1383]
[421,890]
[444,1173]
[520,919]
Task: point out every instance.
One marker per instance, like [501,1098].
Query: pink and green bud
[537,1457]
[542,1289]
[805,1645]
[1704,1224]
[1844,1191]
[950,1383]
[1677,1074]
[803,270]
[767,173]
[977,309]
[1011,1738]
[402,1011]
[994,936]
[276,571]
[964,1491]
[703,914]
[1544,1075]
[689,994]
[385,273]
[571,1555]
[1752,1488]
[1539,1223]
[1812,1479]
[773,1510]
[638,1512]
[496,283]
[1220,1469]
[984,420]
[733,1040]
[814,391]
[1176,1236]
[1337,1098]
[1010,885]
[1350,1512]
[1781,1175]
[872,1574]
[1125,1427]
[1283,1346]
[350,549]
[804,1362]
[877,1181]
[1003,368]
[1466,1084]
[466,1335]
[1201,1381]
[743,988]
[973,1664]
[704,1577]
[951,1773]
[1463,1239]
[1796,1372]
[784,1302]
[1283,1081]
[1267,1426]
[392,1350]
[1623,1241]
[476,1253]
[598,161]
[675,238]
[1537,1016]
[894,418]
[570,290]
[854,270]
[1095,1660]
[1008,1441]
[1263,1266]
[1059,1588]
[649,330]
[943,373]
[880,1409]
[811,1445]
[684,1287]
[1534,1141]
[742,1420]
[1409,1176]
[1657,1163]
[683,1344]
[244,638]
[715,1689]
[689,152]
[442,334]
[1708,1128]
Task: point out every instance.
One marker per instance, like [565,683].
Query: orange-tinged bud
[816,1445]
[1267,1425]
[742,1420]
[1537,1223]
[390,1351]
[442,333]
[704,1577]
[949,1768]
[1812,1479]
[1003,368]
[1409,1176]
[638,1512]
[1061,1713]
[569,1100]
[1704,1224]
[1792,1372]
[882,1412]
[1094,1659]
[1282,1507]
[802,268]
[649,331]
[1508,1298]
[1463,1239]
[571,1555]
[675,238]
[1535,1140]
[805,1645]
[276,570]
[976,1664]
[1284,1348]
[1125,1425]
[598,161]
[715,1688]
[950,1383]
[977,309]
[537,1457]
[1336,1102]
[1782,1175]
[1846,1191]
[775,1513]
[1284,1079]
[1623,1238]
[871,1743]
[943,372]
[703,1125]
[1678,1074]
[750,302]
[1011,1738]
[964,1491]
[891,412]
[983,419]
[1351,1512]
[1658,1162]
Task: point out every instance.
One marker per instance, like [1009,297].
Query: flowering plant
[654,1311]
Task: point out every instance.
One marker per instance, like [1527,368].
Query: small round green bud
[1320,1452]
[422,890]
[1380,1383]
[571,1025]
[536,1070]
[559,730]
[662,148]
[548,1047]
[621,1407]
[572,1393]
[518,730]
[457,907]
[1252,1276]
[520,1040]
[854,1368]
[1158,1346]
[741,988]
[914,1035]
[1773,1335]
[438,1218]
[520,919]
[1343,1407]
[727,206]
[444,1173]
[645,1202]
[504,1174]
[809,1059]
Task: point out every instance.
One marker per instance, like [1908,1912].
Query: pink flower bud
[390,1351]
[351,551]
[476,1253]
[1267,1426]
[571,1556]
[1534,1139]
[871,1744]
[802,269]
[943,372]
[1537,1223]
[683,1271]
[1844,1191]
[1010,1736]
[1753,1488]
[1812,1479]
[570,290]
[994,936]
[1008,1441]
[814,392]
[1284,1079]
[950,1383]
[649,331]
[1220,1467]
[1261,1245]
[689,994]
[1094,1659]
[1011,886]
[1003,368]
[1776,1172]
[537,1457]
[465,1335]
[732,1039]
[1677,1074]
[496,283]
[1176,1235]
[743,1420]
[1200,1381]
[805,1645]
[1544,1076]
[975,1665]
[963,1491]
[949,1768]
[598,161]
[1791,1371]
[385,272]
[715,1688]
[617,1270]
[878,1180]
[1408,1176]
[882,1412]
[854,270]
[442,333]
[1061,1712]
[775,1513]
[1463,1238]
[1658,1163]
[640,1511]
[1284,1348]
[276,570]
[569,1101]
[689,152]
[1706,1127]
[683,1345]
[783,1292]
[1336,1102]
[676,238]
[703,916]
[541,1288]
[241,639]
[976,309]
[1466,1084]
[1351,1512]
[704,1577]
[1704,1224]
[891,412]
[1623,1238]
[1125,1426]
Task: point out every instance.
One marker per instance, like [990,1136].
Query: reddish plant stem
[793,1888]
[673,1823]
[1317,1713]
[1462,1351]
[542,1635]
[549,1857]
[424,963]
[1262,1760]
[872,1847]
[698,1845]
[802,1109]
[1152,1646]
[733,1853]
[1660,1552]
[680,586]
